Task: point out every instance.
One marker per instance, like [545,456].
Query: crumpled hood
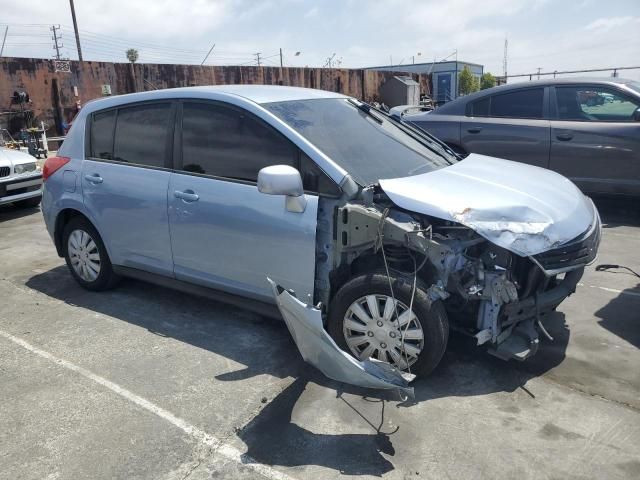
[525,209]
[9,157]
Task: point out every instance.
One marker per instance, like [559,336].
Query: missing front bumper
[519,339]
[318,348]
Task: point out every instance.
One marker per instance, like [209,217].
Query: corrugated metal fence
[56,95]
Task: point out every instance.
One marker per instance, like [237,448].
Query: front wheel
[365,321]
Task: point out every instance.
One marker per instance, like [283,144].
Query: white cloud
[604,24]
[311,13]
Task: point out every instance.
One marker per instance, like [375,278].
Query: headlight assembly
[24,168]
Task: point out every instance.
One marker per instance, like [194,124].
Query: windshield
[367,145]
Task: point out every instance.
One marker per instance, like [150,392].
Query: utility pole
[539,69]
[258,57]
[55,38]
[6,29]
[281,58]
[75,27]
[208,53]
[504,60]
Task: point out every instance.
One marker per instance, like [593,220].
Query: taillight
[52,165]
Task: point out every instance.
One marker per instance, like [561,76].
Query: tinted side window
[520,104]
[479,108]
[227,143]
[594,104]
[314,179]
[142,133]
[101,135]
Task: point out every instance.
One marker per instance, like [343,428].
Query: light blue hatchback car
[368,228]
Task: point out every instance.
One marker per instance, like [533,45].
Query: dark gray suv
[585,129]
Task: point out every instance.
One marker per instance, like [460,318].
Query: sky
[547,34]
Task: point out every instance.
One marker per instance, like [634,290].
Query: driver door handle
[564,136]
[188,196]
[474,129]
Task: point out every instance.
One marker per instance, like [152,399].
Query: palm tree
[132,55]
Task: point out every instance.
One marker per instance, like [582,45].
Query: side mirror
[636,114]
[283,180]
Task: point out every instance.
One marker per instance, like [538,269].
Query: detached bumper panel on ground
[319,349]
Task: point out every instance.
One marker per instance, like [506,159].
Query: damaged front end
[490,292]
[498,267]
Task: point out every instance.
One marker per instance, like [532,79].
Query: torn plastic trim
[320,350]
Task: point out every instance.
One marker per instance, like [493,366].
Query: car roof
[259,94]
[271,93]
[457,106]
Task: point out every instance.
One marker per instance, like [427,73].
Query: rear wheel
[86,256]
[365,321]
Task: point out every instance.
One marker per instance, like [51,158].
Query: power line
[558,72]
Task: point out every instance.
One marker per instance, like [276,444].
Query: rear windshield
[369,146]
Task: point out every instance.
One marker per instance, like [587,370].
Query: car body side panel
[600,157]
[525,141]
[129,206]
[233,235]
[443,127]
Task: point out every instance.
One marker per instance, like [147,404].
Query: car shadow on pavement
[618,211]
[264,346]
[9,212]
[615,316]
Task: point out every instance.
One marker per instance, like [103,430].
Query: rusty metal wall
[54,99]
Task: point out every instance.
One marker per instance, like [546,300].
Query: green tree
[467,83]
[132,55]
[487,81]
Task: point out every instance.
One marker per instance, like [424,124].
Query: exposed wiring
[605,267]
[379,244]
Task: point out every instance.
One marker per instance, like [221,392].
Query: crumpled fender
[319,349]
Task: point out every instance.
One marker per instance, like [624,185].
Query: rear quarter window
[519,104]
[101,135]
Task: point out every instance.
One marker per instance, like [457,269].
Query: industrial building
[444,75]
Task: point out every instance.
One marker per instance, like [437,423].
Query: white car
[20,179]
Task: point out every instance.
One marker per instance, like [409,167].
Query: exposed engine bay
[489,292]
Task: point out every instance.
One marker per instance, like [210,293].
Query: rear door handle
[93,178]
[474,129]
[188,196]
[564,136]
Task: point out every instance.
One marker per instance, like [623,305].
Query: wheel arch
[62,219]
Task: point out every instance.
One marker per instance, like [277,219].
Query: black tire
[29,202]
[432,316]
[106,278]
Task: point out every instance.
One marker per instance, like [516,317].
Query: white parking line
[216,445]
[612,290]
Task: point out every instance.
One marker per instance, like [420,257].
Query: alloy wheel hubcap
[84,255]
[372,330]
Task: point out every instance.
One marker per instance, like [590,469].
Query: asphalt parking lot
[143,382]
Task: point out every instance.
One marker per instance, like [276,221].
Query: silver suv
[368,236]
